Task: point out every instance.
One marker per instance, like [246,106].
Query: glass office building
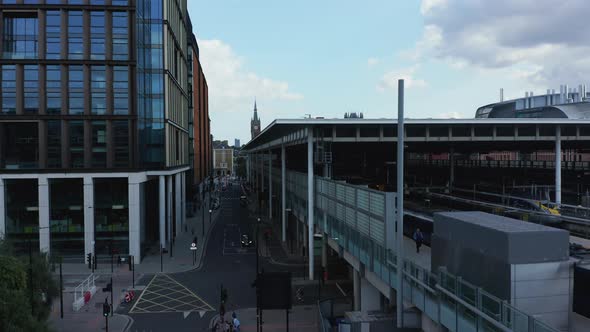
[95,111]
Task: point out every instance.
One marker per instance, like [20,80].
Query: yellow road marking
[195,295]
[139,298]
[157,281]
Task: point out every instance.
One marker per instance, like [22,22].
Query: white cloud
[232,89]
[542,36]
[390,79]
[371,62]
[450,115]
[227,78]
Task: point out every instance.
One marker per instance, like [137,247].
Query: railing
[571,165]
[331,309]
[80,297]
[445,298]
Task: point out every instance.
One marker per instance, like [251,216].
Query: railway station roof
[295,131]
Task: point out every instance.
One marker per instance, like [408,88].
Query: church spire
[255,110]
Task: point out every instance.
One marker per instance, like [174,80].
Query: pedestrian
[418,238]
[236,322]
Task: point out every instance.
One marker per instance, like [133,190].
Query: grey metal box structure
[481,247]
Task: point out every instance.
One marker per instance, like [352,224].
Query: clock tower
[255,123]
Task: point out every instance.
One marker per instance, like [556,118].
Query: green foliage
[15,291]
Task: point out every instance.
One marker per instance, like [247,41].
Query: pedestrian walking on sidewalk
[418,238]
[235,322]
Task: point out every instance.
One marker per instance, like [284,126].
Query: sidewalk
[182,256]
[89,317]
[301,318]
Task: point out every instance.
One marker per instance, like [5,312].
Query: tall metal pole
[310,199]
[203,215]
[112,303]
[61,291]
[400,202]
[31,279]
[269,184]
[558,165]
[283,194]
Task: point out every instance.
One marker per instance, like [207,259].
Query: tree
[15,291]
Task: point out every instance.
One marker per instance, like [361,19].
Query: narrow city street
[189,301]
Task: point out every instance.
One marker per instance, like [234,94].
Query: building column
[2,210]
[370,296]
[169,208]
[325,251]
[178,202]
[262,171]
[269,184]
[162,209]
[558,165]
[356,286]
[183,198]
[283,195]
[310,199]
[248,168]
[88,216]
[452,167]
[44,240]
[134,187]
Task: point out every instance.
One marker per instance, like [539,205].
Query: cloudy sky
[329,57]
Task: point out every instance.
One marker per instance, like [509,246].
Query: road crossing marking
[164,294]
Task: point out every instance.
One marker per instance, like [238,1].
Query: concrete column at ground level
[452,167]
[43,192]
[269,185]
[183,198]
[370,296]
[162,209]
[2,210]
[283,195]
[324,251]
[178,202]
[134,219]
[356,288]
[310,199]
[262,171]
[248,168]
[169,208]
[88,216]
[558,165]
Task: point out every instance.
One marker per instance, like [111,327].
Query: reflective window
[111,216]
[121,143]
[76,90]
[99,144]
[97,2]
[53,35]
[22,213]
[66,216]
[9,89]
[120,36]
[53,88]
[76,143]
[98,94]
[54,143]
[31,89]
[97,36]
[20,145]
[20,35]
[119,3]
[121,90]
[75,35]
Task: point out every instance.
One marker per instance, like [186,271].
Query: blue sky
[329,57]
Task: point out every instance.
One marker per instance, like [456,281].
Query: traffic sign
[193,246]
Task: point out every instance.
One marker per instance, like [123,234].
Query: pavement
[90,318]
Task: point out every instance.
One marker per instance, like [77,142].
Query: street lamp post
[210,217]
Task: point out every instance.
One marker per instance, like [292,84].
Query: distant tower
[255,123]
